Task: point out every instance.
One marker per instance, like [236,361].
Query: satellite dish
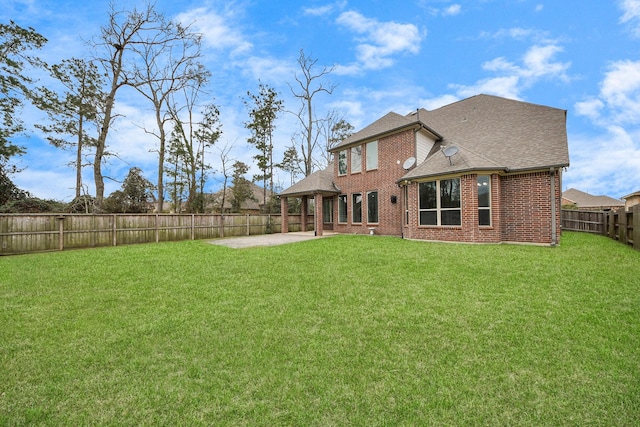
[450,151]
[409,162]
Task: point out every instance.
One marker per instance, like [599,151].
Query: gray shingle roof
[586,200]
[389,123]
[495,133]
[318,182]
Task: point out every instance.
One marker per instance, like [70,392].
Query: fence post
[635,220]
[248,225]
[61,232]
[193,226]
[115,229]
[622,225]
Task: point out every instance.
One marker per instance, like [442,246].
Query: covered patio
[320,188]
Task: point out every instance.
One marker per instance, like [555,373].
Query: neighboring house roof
[318,182]
[255,203]
[494,133]
[586,200]
[628,196]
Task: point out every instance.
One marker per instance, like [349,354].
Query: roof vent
[449,152]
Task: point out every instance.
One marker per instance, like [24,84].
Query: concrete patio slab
[267,239]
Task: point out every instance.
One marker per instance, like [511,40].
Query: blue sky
[581,56]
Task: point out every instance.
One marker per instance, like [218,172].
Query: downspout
[554,226]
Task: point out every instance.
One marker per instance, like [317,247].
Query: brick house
[484,169]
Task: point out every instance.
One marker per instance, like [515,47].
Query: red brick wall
[526,207]
[520,211]
[392,152]
[520,204]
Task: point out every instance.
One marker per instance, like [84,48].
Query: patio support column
[284,214]
[303,214]
[318,217]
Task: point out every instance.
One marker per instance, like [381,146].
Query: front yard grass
[347,330]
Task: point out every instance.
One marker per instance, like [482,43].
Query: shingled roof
[318,182]
[585,200]
[494,133]
[387,124]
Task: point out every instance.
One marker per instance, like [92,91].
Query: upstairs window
[342,162]
[372,155]
[356,159]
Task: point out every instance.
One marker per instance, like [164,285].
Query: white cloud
[611,160]
[378,42]
[539,7]
[433,103]
[452,10]
[537,63]
[631,15]
[324,10]
[604,164]
[217,29]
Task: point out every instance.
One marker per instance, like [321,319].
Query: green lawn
[347,330]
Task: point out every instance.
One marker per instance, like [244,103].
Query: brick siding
[520,203]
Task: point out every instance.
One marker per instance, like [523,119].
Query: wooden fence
[621,225]
[26,233]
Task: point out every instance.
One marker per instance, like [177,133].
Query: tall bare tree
[308,85]
[124,42]
[167,62]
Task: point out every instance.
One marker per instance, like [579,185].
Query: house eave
[415,126]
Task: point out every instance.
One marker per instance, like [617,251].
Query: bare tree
[308,86]
[167,63]
[127,46]
[226,164]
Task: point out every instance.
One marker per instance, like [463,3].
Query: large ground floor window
[356,206]
[439,202]
[327,210]
[372,207]
[342,208]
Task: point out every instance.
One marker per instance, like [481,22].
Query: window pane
[356,159]
[372,206]
[450,193]
[342,208]
[451,218]
[342,162]
[372,155]
[357,207]
[427,195]
[428,218]
[327,210]
[484,217]
[483,191]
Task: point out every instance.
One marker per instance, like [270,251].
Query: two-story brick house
[484,169]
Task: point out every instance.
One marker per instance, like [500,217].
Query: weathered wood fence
[26,233]
[621,225]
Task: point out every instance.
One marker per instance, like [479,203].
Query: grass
[348,330]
